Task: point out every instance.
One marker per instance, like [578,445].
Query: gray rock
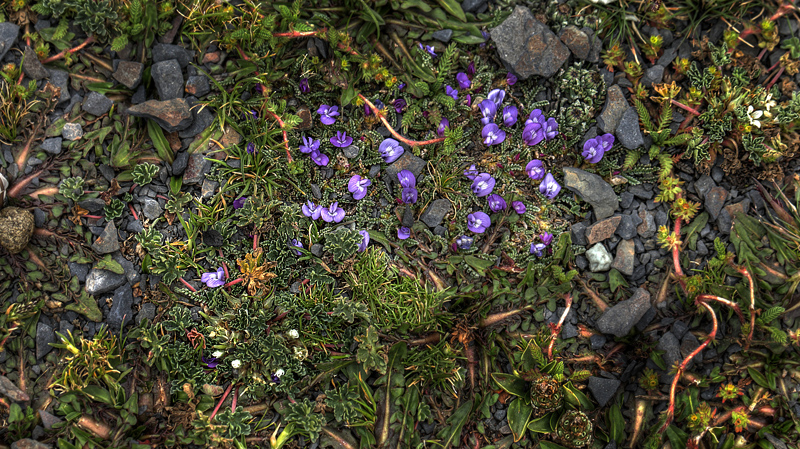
[527,46]
[626,228]
[132,272]
[625,260]
[703,185]
[208,188]
[653,75]
[8,37]
[108,242]
[201,119]
[625,200]
[197,85]
[168,79]
[196,169]
[688,344]
[60,79]
[316,249]
[443,35]
[152,209]
[408,217]
[121,312]
[45,335]
[620,319]
[603,389]
[52,145]
[129,73]
[599,258]
[11,391]
[714,200]
[472,5]
[92,204]
[48,419]
[32,67]
[180,162]
[672,349]
[640,192]
[648,227]
[578,231]
[351,151]
[103,281]
[597,341]
[612,112]
[172,115]
[134,226]
[408,162]
[79,270]
[436,212]
[166,52]
[139,96]
[576,40]
[148,312]
[593,189]
[569,331]
[72,131]
[96,104]
[628,131]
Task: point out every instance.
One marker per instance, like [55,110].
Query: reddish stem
[219,404]
[554,331]
[162,197]
[676,255]
[223,264]
[88,41]
[135,217]
[233,400]
[684,107]
[774,80]
[761,55]
[96,217]
[255,241]
[188,285]
[234,282]
[408,142]
[283,130]
[241,53]
[743,271]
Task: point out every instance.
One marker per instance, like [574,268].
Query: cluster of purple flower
[549,187]
[539,248]
[538,128]
[409,184]
[358,186]
[311,146]
[594,149]
[332,213]
[390,150]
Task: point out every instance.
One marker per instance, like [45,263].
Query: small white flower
[293,334]
[300,353]
[236,364]
[769,102]
[279,373]
[754,115]
[216,354]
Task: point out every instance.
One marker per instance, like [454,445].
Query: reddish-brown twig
[133,212]
[219,404]
[743,271]
[556,328]
[684,107]
[411,143]
[234,282]
[188,285]
[283,130]
[58,56]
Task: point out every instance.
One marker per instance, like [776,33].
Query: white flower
[754,115]
[3,187]
[236,364]
[216,354]
[769,102]
[279,373]
[300,353]
[293,334]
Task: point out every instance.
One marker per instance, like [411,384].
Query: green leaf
[616,280]
[348,94]
[542,424]
[110,264]
[576,397]
[416,4]
[160,142]
[677,437]
[549,445]
[760,379]
[98,394]
[617,424]
[518,415]
[87,306]
[453,7]
[478,264]
[467,39]
[452,433]
[511,384]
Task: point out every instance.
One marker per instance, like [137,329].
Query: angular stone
[103,281]
[578,231]
[60,79]
[11,391]
[602,230]
[626,257]
[648,227]
[703,185]
[197,86]
[672,349]
[436,212]
[172,115]
[201,119]
[408,162]
[615,107]
[599,258]
[92,204]
[472,5]
[306,119]
[48,419]
[653,75]
[628,131]
[108,242]
[129,73]
[132,272]
[626,228]
[152,209]
[603,389]
[715,199]
[72,131]
[208,188]
[8,36]
[166,52]
[688,344]
[168,79]
[593,189]
[211,57]
[52,145]
[79,270]
[576,40]
[443,35]
[121,311]
[32,67]
[28,443]
[351,151]
[196,169]
[180,162]
[96,104]
[45,335]
[728,213]
[620,319]
[148,311]
[527,46]
[16,228]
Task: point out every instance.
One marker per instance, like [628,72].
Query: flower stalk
[58,56]
[412,143]
[556,329]
[283,130]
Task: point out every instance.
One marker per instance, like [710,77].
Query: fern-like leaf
[770,315]
[644,116]
[666,117]
[631,159]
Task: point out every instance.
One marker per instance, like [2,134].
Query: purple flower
[510,115]
[254,114]
[427,48]
[328,113]
[319,158]
[497,96]
[533,134]
[332,213]
[468,100]
[464,242]
[463,80]
[535,169]
[511,79]
[549,187]
[483,184]
[551,129]
[409,195]
[488,110]
[450,92]
[593,151]
[403,233]
[606,141]
[536,116]
[538,249]
[401,86]
[399,104]
[251,148]
[444,124]
[485,36]
[471,172]
[407,178]
[367,110]
[210,362]
[364,241]
[496,202]
[341,139]
[493,135]
[309,145]
[238,203]
[311,210]
[214,279]
[304,87]
[296,244]
[275,378]
[547,238]
[477,222]
[471,69]
[358,186]
[259,88]
[390,150]
[519,207]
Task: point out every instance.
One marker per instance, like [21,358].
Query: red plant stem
[676,260]
[684,107]
[774,80]
[219,404]
[135,217]
[297,34]
[188,285]
[223,264]
[255,242]
[88,41]
[162,197]
[761,55]
[234,282]
[773,66]
[727,302]
[241,53]
[233,400]
[554,331]
[283,130]
[412,143]
[96,217]
[685,363]
[743,271]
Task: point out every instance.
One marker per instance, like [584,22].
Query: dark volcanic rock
[715,199]
[626,257]
[527,46]
[121,311]
[129,73]
[197,85]
[60,79]
[32,67]
[8,36]
[408,162]
[172,115]
[45,335]
[577,41]
[96,104]
[615,107]
[168,79]
[628,131]
[603,229]
[166,52]
[436,212]
[593,189]
[103,281]
[603,389]
[621,318]
[108,242]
